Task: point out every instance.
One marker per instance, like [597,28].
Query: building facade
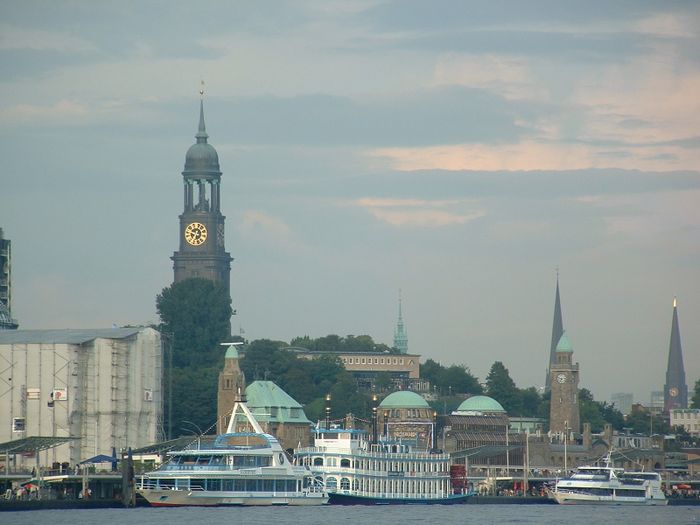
[688,418]
[101,386]
[6,320]
[202,251]
[564,416]
[623,402]
[279,414]
[675,389]
[403,369]
[406,416]
[231,387]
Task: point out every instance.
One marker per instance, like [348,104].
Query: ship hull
[182,498]
[350,499]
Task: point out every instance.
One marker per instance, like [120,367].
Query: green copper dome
[480,404]
[564,345]
[404,399]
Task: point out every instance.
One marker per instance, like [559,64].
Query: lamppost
[199,430]
[566,438]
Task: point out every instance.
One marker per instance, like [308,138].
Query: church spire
[400,335]
[675,389]
[201,135]
[557,332]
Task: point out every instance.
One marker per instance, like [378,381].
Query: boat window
[318,462]
[345,463]
[214,484]
[197,484]
[344,484]
[331,483]
[227,485]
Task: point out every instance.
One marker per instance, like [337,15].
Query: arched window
[331,483]
[345,463]
[318,462]
[344,484]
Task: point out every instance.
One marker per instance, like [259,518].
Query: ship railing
[374,455]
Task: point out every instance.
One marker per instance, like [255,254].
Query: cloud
[257,222]
[532,155]
[61,110]
[16,38]
[418,212]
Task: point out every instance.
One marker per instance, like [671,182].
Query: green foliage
[198,314]
[530,402]
[501,387]
[335,343]
[640,421]
[306,380]
[695,400]
[450,380]
[194,399]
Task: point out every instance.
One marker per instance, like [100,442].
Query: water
[360,515]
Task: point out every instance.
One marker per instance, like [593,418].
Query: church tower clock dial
[202,253]
[196,233]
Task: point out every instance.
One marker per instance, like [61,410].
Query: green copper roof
[564,345]
[404,399]
[269,403]
[232,352]
[480,404]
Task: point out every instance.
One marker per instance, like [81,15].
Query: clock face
[561,378]
[673,391]
[195,233]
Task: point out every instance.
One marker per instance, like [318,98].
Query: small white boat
[239,468]
[608,485]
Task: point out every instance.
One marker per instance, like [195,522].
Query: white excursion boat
[355,470]
[239,468]
[609,485]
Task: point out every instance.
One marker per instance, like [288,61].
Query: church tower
[564,415]
[557,332]
[202,252]
[400,335]
[231,387]
[675,389]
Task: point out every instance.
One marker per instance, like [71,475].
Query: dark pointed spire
[675,389]
[557,332]
[201,135]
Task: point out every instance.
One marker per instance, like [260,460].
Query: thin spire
[201,135]
[675,389]
[557,332]
[400,335]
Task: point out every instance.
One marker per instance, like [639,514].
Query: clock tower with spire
[202,252]
[564,416]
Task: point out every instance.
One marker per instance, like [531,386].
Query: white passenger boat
[609,485]
[356,471]
[239,468]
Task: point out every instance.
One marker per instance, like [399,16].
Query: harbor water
[384,515]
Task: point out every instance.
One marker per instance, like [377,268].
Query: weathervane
[201,89]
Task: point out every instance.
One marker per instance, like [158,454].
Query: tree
[501,387]
[530,401]
[451,380]
[198,314]
[695,400]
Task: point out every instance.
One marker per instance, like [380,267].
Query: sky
[460,152]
